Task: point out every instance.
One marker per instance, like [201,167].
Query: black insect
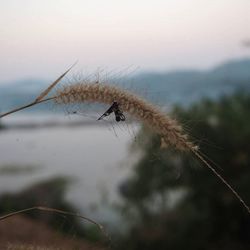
[119,116]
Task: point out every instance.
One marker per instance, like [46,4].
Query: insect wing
[123,118]
[107,113]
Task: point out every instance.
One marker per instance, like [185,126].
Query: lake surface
[97,157]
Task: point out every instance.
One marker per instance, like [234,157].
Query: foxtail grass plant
[170,131]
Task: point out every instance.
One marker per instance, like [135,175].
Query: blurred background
[191,58]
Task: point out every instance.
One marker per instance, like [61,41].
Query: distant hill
[185,87]
[17,93]
[182,87]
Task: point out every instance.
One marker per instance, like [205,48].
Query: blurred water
[97,156]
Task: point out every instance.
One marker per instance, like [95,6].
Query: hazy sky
[42,38]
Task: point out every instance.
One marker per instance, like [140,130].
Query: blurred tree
[175,202]
[1,125]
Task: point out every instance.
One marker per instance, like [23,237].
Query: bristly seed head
[168,128]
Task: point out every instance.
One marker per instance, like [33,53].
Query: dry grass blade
[24,107]
[54,210]
[39,99]
[46,91]
[202,159]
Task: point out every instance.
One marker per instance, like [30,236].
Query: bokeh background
[191,58]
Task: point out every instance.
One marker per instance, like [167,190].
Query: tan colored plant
[168,128]
[170,131]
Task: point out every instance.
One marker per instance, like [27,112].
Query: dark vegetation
[206,215]
[1,125]
[50,193]
[23,233]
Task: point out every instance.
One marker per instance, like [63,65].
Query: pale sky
[40,39]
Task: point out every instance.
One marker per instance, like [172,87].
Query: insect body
[119,116]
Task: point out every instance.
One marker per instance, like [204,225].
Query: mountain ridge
[179,86]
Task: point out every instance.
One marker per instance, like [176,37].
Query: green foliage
[177,203]
[93,234]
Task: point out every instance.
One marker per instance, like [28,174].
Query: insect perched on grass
[170,130]
[119,116]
